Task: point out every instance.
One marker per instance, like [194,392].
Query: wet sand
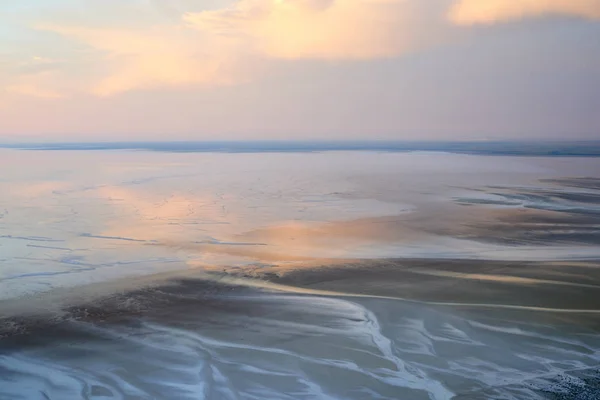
[316,332]
[433,287]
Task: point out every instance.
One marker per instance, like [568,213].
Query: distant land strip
[492,148]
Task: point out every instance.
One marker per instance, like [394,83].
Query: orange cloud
[226,46]
[34,90]
[229,45]
[321,29]
[152,57]
[468,12]
[32,77]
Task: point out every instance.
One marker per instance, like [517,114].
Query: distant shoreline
[491,148]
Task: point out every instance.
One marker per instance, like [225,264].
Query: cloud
[230,45]
[30,89]
[233,44]
[317,29]
[468,12]
[147,58]
[130,46]
[39,76]
[37,83]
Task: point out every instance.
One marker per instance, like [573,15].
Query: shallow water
[375,275]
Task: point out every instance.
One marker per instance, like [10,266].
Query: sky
[107,70]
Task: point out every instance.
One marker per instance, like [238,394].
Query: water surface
[137,274]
